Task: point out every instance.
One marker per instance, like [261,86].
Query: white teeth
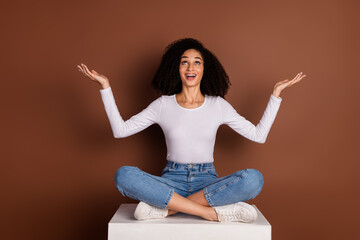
[190,75]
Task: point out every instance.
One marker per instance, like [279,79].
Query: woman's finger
[88,73]
[303,76]
[86,69]
[89,76]
[298,80]
[300,77]
[296,76]
[82,70]
[292,81]
[295,79]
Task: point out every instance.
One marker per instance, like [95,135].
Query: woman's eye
[183,62]
[197,63]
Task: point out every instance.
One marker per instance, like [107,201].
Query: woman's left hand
[286,83]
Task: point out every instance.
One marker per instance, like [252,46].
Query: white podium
[123,226]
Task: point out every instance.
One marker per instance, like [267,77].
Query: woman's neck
[190,96]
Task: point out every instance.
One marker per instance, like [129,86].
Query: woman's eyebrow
[188,57]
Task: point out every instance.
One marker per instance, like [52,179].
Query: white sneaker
[236,212]
[145,211]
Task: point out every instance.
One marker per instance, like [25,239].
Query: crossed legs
[194,204]
[159,192]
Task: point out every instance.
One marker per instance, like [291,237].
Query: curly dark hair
[215,81]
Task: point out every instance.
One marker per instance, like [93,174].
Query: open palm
[288,83]
[93,75]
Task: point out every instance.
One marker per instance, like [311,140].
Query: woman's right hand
[93,75]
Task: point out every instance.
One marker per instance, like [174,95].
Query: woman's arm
[121,128]
[244,127]
[136,123]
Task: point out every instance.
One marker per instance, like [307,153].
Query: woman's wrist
[276,93]
[105,85]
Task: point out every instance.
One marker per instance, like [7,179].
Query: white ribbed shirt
[189,133]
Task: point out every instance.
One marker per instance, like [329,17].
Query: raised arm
[259,132]
[121,128]
[244,127]
[136,123]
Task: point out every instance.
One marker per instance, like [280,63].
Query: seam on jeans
[224,186]
[170,193]
[138,169]
[169,197]
[206,194]
[127,194]
[245,171]
[207,171]
[229,183]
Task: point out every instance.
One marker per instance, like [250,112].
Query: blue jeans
[186,179]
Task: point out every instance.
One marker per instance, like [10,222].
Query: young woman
[193,84]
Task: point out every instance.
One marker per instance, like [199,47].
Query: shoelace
[233,215]
[156,212]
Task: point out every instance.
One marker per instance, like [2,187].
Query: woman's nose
[190,66]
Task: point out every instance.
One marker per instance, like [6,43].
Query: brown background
[58,155]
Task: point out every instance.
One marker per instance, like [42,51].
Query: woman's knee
[253,179]
[256,181]
[124,176]
[255,176]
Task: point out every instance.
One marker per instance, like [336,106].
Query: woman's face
[191,68]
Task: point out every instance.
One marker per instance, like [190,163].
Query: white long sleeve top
[189,133]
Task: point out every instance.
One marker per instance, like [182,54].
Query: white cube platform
[123,226]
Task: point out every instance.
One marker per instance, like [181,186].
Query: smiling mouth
[190,76]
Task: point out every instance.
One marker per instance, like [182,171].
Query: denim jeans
[186,179]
